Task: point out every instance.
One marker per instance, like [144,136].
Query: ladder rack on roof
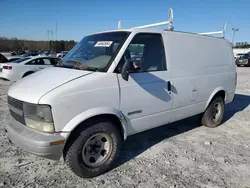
[222,32]
[171,26]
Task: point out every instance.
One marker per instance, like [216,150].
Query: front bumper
[4,76]
[7,75]
[33,141]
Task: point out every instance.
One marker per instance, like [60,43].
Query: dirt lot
[182,154]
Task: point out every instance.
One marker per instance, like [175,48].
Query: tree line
[242,45]
[8,44]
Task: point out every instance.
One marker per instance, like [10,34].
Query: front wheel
[94,150]
[214,113]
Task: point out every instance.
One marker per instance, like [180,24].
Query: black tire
[27,74]
[208,118]
[73,153]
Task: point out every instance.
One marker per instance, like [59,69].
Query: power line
[234,31]
[52,39]
[56,30]
[48,38]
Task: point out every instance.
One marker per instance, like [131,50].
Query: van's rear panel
[199,66]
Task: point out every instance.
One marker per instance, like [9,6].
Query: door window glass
[46,62]
[146,52]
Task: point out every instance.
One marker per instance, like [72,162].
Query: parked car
[30,53]
[64,53]
[239,55]
[87,108]
[61,54]
[243,60]
[25,66]
[52,54]
[17,52]
[20,52]
[4,59]
[13,52]
[43,53]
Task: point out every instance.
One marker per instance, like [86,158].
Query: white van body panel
[71,100]
[77,120]
[198,71]
[145,100]
[32,88]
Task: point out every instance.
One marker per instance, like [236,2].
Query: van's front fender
[77,120]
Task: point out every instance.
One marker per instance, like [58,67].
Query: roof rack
[171,26]
[169,22]
[222,32]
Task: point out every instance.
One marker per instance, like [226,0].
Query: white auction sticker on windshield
[103,43]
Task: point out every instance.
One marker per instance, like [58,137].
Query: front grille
[17,117]
[15,103]
[16,109]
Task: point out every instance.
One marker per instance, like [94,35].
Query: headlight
[38,117]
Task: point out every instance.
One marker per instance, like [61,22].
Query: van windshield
[95,52]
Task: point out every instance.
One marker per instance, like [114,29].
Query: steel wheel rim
[97,149]
[216,111]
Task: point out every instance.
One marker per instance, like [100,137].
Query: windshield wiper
[74,62]
[79,66]
[93,69]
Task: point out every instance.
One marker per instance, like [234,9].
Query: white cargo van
[100,95]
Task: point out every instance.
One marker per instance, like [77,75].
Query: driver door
[146,98]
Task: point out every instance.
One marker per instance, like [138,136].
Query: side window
[33,62]
[46,61]
[146,52]
[39,61]
[54,61]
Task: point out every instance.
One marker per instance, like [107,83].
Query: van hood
[33,87]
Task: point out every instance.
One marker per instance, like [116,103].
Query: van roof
[154,30]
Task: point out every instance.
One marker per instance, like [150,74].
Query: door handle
[169,86]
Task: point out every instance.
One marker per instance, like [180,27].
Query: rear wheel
[94,150]
[213,115]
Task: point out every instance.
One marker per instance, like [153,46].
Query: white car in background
[25,66]
[61,54]
[237,56]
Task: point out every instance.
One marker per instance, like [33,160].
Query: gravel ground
[182,154]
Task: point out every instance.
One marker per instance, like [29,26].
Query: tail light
[7,67]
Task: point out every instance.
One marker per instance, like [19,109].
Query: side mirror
[125,70]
